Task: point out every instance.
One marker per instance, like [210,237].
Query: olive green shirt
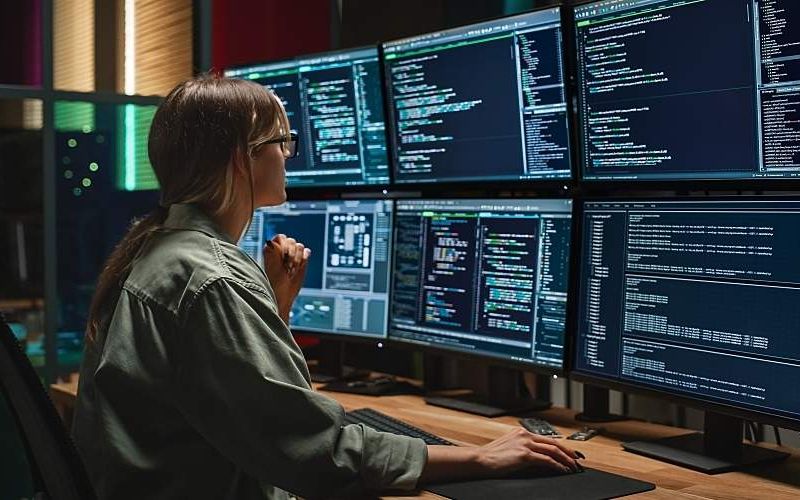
[195,388]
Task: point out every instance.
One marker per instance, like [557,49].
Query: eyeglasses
[289,143]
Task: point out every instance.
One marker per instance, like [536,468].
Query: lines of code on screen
[483,276]
[485,101]
[698,298]
[689,89]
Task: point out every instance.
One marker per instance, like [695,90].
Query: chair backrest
[43,462]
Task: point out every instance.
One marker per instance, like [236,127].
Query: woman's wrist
[447,463]
[283,312]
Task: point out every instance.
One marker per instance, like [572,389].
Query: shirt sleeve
[240,381]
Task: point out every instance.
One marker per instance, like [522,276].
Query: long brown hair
[202,128]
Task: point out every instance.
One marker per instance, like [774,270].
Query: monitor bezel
[637,388]
[596,186]
[319,190]
[527,366]
[493,184]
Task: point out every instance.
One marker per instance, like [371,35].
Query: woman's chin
[276,199]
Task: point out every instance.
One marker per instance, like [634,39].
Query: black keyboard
[385,423]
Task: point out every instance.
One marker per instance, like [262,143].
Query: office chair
[40,460]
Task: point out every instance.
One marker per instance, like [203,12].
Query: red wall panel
[246,31]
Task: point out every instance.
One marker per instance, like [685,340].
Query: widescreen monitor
[481,102]
[695,299]
[483,277]
[335,103]
[677,90]
[346,288]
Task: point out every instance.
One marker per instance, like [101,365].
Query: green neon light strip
[446,47]
[637,13]
[130,147]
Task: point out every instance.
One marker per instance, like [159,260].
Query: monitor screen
[682,90]
[487,277]
[346,289]
[335,102]
[480,102]
[694,298]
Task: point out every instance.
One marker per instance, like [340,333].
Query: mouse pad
[591,484]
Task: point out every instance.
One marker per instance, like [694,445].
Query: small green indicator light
[87,129]
[77,191]
[94,167]
[72,143]
[86,182]
[68,174]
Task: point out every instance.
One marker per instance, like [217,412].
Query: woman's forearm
[447,463]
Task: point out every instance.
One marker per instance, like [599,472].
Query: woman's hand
[519,449]
[285,262]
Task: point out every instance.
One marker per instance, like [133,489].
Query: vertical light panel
[130,89]
[130,147]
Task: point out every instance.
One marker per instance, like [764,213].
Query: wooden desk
[773,481]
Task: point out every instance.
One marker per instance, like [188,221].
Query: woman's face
[269,175]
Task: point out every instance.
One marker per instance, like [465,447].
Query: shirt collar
[190,217]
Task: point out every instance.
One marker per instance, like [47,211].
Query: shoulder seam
[211,281]
[148,299]
[221,257]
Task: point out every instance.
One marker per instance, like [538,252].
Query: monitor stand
[718,449]
[337,377]
[506,395]
[595,406]
[330,364]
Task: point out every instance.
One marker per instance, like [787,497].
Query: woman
[192,386]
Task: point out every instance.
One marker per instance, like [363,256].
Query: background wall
[247,31]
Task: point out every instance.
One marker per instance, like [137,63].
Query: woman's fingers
[552,450]
[293,253]
[570,452]
[546,461]
[297,256]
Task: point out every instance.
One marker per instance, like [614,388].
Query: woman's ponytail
[119,263]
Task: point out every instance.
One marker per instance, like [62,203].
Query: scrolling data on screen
[694,298]
[487,277]
[480,102]
[688,89]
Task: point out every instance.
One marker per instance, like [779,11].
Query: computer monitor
[346,288]
[688,90]
[483,277]
[480,102]
[695,300]
[335,102]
